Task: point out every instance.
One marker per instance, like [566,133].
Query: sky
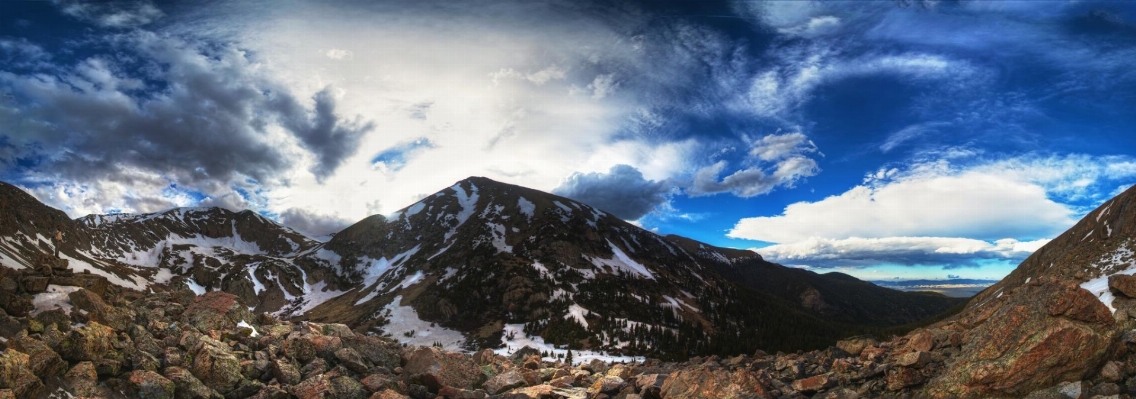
[886,140]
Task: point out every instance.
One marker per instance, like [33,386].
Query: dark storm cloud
[194,112]
[311,223]
[623,191]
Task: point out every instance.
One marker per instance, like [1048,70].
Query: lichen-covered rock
[186,386]
[145,384]
[1123,284]
[500,383]
[90,342]
[376,382]
[285,371]
[83,380]
[702,382]
[813,384]
[272,392]
[216,310]
[347,388]
[16,374]
[317,387]
[855,345]
[1039,336]
[377,351]
[215,365]
[300,348]
[44,361]
[351,359]
[435,368]
[118,319]
[606,384]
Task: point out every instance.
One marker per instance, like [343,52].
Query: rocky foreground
[93,340]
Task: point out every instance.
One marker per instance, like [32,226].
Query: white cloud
[857,251]
[779,160]
[339,54]
[112,14]
[986,200]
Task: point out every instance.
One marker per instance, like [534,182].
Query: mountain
[480,264]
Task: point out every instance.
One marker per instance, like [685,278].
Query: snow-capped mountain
[480,264]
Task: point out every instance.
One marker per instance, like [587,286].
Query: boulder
[377,351]
[434,368]
[1041,335]
[98,310]
[186,386]
[703,382]
[91,342]
[216,310]
[650,385]
[285,371]
[144,384]
[16,374]
[215,365]
[813,384]
[317,387]
[84,380]
[855,345]
[344,387]
[44,362]
[1123,284]
[376,382]
[510,379]
[916,359]
[606,384]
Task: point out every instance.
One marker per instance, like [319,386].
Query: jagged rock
[650,385]
[508,380]
[710,384]
[376,382]
[16,305]
[325,345]
[434,368]
[35,284]
[916,359]
[314,367]
[300,348]
[83,380]
[1123,284]
[534,392]
[285,371]
[1037,337]
[351,359]
[186,386]
[855,345]
[606,384]
[922,341]
[347,388]
[90,342]
[44,362]
[813,384]
[903,377]
[216,310]
[215,365]
[1064,390]
[245,388]
[619,370]
[388,394]
[272,392]
[841,393]
[98,310]
[145,384]
[1112,371]
[56,317]
[317,387]
[16,374]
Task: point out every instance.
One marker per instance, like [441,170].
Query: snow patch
[409,281]
[577,312]
[620,261]
[54,298]
[414,209]
[527,207]
[245,324]
[514,338]
[404,321]
[197,289]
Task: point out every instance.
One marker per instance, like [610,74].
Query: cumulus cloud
[112,14]
[782,162]
[313,224]
[986,200]
[198,115]
[622,191]
[912,251]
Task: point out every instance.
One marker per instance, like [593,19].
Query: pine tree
[569,358]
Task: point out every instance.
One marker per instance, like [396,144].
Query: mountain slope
[479,264]
[491,260]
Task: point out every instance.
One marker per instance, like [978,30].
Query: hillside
[481,264]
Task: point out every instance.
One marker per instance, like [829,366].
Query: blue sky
[909,139]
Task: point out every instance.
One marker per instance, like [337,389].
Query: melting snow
[468,202]
[527,207]
[521,340]
[622,262]
[404,320]
[577,312]
[257,286]
[79,266]
[498,232]
[197,289]
[563,207]
[409,281]
[414,209]
[1099,286]
[245,324]
[54,297]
